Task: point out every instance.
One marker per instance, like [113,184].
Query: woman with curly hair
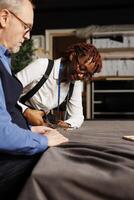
[79,63]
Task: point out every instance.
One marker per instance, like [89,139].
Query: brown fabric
[97,164]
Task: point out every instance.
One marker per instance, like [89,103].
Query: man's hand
[54,137]
[63,124]
[34,117]
[41,129]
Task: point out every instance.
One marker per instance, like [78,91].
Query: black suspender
[71,87]
[63,105]
[31,92]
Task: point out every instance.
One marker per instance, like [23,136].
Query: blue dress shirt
[13,139]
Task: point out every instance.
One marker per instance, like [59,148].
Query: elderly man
[20,148]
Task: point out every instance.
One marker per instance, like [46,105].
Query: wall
[53,14]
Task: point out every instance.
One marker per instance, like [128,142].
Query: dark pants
[14,171]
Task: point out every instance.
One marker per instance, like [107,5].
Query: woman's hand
[34,117]
[63,124]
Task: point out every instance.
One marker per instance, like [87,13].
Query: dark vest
[12,90]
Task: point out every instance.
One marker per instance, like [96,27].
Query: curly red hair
[83,49]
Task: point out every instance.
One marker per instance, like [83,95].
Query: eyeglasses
[82,69]
[26,26]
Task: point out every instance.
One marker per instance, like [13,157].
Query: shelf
[117,53]
[112,98]
[97,102]
[113,113]
[114,91]
[111,92]
[112,78]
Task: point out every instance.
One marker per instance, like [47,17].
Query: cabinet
[111,92]
[112,98]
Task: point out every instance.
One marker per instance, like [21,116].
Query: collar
[4,52]
[7,53]
[5,57]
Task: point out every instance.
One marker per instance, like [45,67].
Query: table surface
[97,164]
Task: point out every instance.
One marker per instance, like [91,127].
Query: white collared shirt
[47,96]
